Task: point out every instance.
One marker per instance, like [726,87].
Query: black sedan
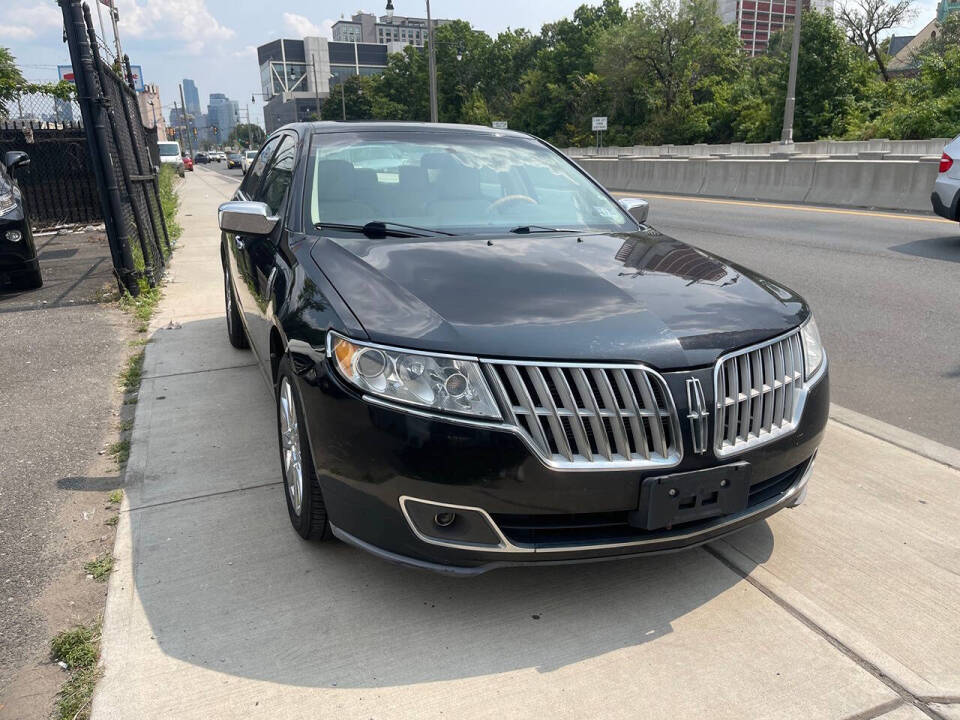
[233,160]
[481,358]
[18,254]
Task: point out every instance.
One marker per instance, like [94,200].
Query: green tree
[247,136]
[13,85]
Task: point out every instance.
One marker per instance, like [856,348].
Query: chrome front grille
[759,394]
[589,416]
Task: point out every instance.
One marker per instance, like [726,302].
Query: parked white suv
[946,189]
[170,154]
[246,160]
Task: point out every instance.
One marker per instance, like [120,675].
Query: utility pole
[186,122]
[343,100]
[316,87]
[432,62]
[787,137]
[114,16]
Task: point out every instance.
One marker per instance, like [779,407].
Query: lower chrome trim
[790,498]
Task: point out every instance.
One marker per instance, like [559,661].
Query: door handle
[238,241]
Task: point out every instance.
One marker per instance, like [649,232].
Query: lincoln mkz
[481,358]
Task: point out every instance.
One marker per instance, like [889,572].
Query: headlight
[445,384]
[7,202]
[812,347]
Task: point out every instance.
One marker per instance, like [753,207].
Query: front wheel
[308,514]
[30,280]
[235,330]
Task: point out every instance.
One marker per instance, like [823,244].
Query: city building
[758,20]
[191,97]
[151,109]
[945,7]
[365,27]
[904,49]
[223,114]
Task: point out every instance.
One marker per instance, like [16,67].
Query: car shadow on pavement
[946,247]
[226,584]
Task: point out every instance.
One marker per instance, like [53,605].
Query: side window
[278,176]
[252,181]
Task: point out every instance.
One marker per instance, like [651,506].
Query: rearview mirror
[247,218]
[15,159]
[637,207]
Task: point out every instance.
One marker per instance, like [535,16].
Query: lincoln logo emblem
[697,415]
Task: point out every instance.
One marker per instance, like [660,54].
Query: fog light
[14,235]
[444,519]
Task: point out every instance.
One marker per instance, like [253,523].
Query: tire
[235,329]
[30,280]
[305,506]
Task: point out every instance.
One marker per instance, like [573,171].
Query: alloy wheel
[290,445]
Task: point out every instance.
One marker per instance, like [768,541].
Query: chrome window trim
[799,399]
[503,426]
[780,501]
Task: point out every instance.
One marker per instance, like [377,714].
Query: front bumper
[369,457]
[20,256]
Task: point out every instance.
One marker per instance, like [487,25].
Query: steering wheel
[509,200]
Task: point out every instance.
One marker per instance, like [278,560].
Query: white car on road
[946,188]
[246,160]
[170,154]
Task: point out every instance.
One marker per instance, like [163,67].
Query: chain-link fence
[125,173]
[59,186]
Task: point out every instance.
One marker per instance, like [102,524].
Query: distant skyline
[214,42]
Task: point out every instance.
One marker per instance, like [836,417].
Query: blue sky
[214,41]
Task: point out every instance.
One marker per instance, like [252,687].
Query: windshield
[460,183]
[167,149]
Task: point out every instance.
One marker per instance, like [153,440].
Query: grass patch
[115,498]
[130,377]
[142,306]
[79,649]
[112,520]
[170,203]
[126,425]
[120,451]
[100,567]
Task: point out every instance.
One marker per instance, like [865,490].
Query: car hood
[636,297]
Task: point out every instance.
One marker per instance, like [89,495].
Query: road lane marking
[800,208]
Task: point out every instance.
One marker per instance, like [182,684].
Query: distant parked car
[247,159]
[946,188]
[18,254]
[188,163]
[217,156]
[170,154]
[233,160]
[201,158]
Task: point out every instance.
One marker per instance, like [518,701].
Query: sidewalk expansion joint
[876,711]
[197,372]
[204,496]
[906,696]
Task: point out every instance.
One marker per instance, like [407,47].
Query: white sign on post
[499,124]
[599,123]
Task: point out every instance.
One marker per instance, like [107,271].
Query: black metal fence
[124,170]
[59,186]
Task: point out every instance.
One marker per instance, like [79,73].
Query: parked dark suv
[481,358]
[18,254]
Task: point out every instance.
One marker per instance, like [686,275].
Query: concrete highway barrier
[884,184]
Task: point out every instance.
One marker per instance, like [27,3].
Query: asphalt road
[885,289]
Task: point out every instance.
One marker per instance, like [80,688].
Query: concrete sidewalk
[846,607]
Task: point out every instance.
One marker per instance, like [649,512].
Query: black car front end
[463,496]
[18,253]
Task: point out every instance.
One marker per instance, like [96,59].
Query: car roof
[367,125]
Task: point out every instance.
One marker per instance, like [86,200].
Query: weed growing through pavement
[116,497]
[130,377]
[100,567]
[79,649]
[112,520]
[120,451]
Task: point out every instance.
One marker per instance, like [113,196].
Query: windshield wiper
[527,229]
[384,228]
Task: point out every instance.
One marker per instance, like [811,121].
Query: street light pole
[316,87]
[343,99]
[432,63]
[787,137]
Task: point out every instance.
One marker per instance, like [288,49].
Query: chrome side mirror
[247,218]
[638,208]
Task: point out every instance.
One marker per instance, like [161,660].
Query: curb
[904,439]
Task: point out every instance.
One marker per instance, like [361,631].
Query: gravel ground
[60,354]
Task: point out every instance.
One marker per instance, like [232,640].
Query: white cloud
[16,32]
[187,21]
[45,15]
[301,26]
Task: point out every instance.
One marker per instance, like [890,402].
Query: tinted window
[252,181]
[277,178]
[455,182]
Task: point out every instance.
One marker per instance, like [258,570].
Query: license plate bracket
[670,500]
